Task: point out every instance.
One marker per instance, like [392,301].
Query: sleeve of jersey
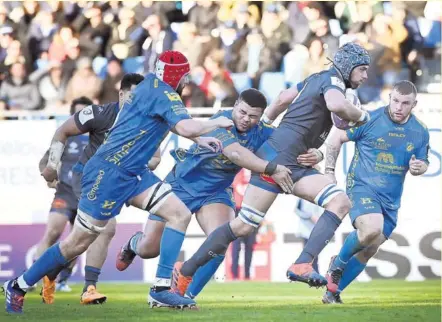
[332,82]
[355,133]
[422,152]
[173,112]
[86,118]
[226,137]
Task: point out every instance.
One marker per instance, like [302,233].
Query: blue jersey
[141,125]
[383,150]
[201,171]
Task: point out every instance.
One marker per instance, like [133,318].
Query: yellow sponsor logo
[92,195]
[366,201]
[385,157]
[410,147]
[116,158]
[173,97]
[108,204]
[380,140]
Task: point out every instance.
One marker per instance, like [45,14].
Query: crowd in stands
[52,51]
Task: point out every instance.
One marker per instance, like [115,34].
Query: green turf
[376,301]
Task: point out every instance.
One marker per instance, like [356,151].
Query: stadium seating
[134,65]
[271,84]
[241,81]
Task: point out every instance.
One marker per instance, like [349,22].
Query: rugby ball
[340,123]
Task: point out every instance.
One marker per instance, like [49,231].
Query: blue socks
[352,270]
[203,276]
[65,274]
[51,259]
[321,234]
[351,247]
[170,247]
[91,276]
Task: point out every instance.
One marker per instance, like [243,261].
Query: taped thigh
[327,194]
[157,197]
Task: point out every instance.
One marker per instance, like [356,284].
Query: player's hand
[49,174]
[417,167]
[282,177]
[312,157]
[52,184]
[224,122]
[213,144]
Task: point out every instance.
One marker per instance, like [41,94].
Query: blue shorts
[365,202]
[65,202]
[266,152]
[105,188]
[195,203]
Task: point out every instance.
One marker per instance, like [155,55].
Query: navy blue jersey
[307,122]
[73,149]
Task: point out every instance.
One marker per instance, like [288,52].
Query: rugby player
[393,143]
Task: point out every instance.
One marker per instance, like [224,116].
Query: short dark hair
[405,87]
[129,80]
[83,100]
[253,97]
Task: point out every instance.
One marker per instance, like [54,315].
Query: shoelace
[17,302]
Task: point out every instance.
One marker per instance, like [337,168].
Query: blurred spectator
[193,96]
[57,9]
[51,84]
[215,81]
[111,84]
[17,92]
[94,33]
[42,30]
[204,16]
[160,39]
[125,37]
[72,50]
[144,9]
[317,61]
[14,52]
[59,46]
[188,45]
[84,82]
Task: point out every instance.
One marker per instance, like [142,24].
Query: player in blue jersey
[393,143]
[304,126]
[117,175]
[96,120]
[202,180]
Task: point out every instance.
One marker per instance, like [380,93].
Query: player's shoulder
[325,78]
[225,113]
[418,124]
[377,113]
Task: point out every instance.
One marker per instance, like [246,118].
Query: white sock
[22,284]
[162,282]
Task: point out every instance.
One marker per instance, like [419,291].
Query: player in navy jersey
[202,180]
[393,143]
[95,120]
[305,126]
[117,175]
[64,205]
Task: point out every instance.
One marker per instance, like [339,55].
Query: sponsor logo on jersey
[336,81]
[410,147]
[92,195]
[86,114]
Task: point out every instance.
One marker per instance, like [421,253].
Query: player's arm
[244,158]
[334,144]
[43,161]
[338,104]
[191,128]
[79,123]
[155,160]
[419,161]
[281,103]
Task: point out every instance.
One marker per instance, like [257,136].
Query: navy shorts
[65,202]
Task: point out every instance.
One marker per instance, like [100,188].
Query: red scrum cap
[171,67]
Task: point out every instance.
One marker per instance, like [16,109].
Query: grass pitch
[249,301]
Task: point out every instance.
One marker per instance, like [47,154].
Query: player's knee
[247,222]
[52,235]
[148,248]
[178,216]
[340,205]
[368,234]
[110,230]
